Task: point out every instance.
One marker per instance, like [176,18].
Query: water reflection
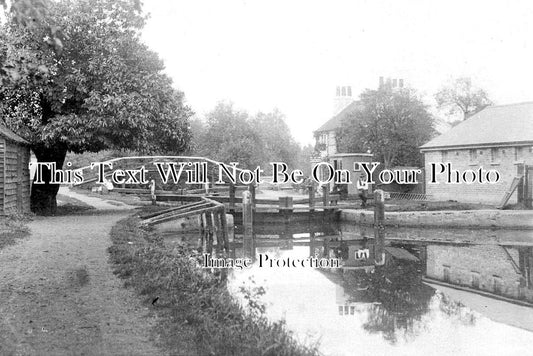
[399,297]
[431,296]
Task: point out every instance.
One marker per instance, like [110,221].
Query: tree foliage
[103,90]
[276,139]
[230,135]
[392,124]
[461,96]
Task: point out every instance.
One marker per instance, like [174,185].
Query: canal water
[439,292]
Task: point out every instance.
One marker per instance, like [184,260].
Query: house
[326,147]
[14,173]
[325,136]
[344,105]
[498,138]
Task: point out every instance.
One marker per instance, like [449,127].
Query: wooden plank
[181,215]
[507,196]
[178,210]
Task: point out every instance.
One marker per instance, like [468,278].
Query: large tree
[103,89]
[277,140]
[230,135]
[461,97]
[391,123]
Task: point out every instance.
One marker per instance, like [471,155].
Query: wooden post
[230,223]
[285,210]
[325,195]
[379,229]
[527,187]
[520,189]
[203,232]
[285,204]
[231,197]
[312,244]
[218,230]
[225,230]
[247,222]
[152,192]
[311,197]
[209,228]
[251,188]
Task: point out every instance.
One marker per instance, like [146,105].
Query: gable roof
[335,121]
[11,136]
[494,125]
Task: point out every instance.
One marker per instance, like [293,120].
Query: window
[517,153]
[498,285]
[444,156]
[473,155]
[343,91]
[338,91]
[356,167]
[349,91]
[446,274]
[495,155]
[475,280]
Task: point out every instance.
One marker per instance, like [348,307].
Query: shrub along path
[58,295]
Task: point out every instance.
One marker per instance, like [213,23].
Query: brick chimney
[343,98]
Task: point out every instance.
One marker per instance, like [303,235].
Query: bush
[200,300]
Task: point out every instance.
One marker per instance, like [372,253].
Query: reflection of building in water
[498,270]
[347,307]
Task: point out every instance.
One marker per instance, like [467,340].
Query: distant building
[344,105]
[499,138]
[326,145]
[325,135]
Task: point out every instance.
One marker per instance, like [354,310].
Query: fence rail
[408,196]
[212,218]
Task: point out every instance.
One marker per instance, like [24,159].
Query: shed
[14,173]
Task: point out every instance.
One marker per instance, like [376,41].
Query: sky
[292,54]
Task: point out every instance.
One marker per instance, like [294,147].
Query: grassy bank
[196,312]
[12,228]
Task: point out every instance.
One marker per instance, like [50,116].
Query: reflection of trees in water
[403,298]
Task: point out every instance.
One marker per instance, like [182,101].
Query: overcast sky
[292,54]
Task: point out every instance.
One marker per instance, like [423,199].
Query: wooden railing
[212,218]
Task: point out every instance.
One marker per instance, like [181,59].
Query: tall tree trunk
[43,196]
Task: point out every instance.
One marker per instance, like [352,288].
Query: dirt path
[58,295]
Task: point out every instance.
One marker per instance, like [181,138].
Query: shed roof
[494,125]
[11,136]
[335,121]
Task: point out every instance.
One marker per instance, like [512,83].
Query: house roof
[335,121]
[10,135]
[494,125]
